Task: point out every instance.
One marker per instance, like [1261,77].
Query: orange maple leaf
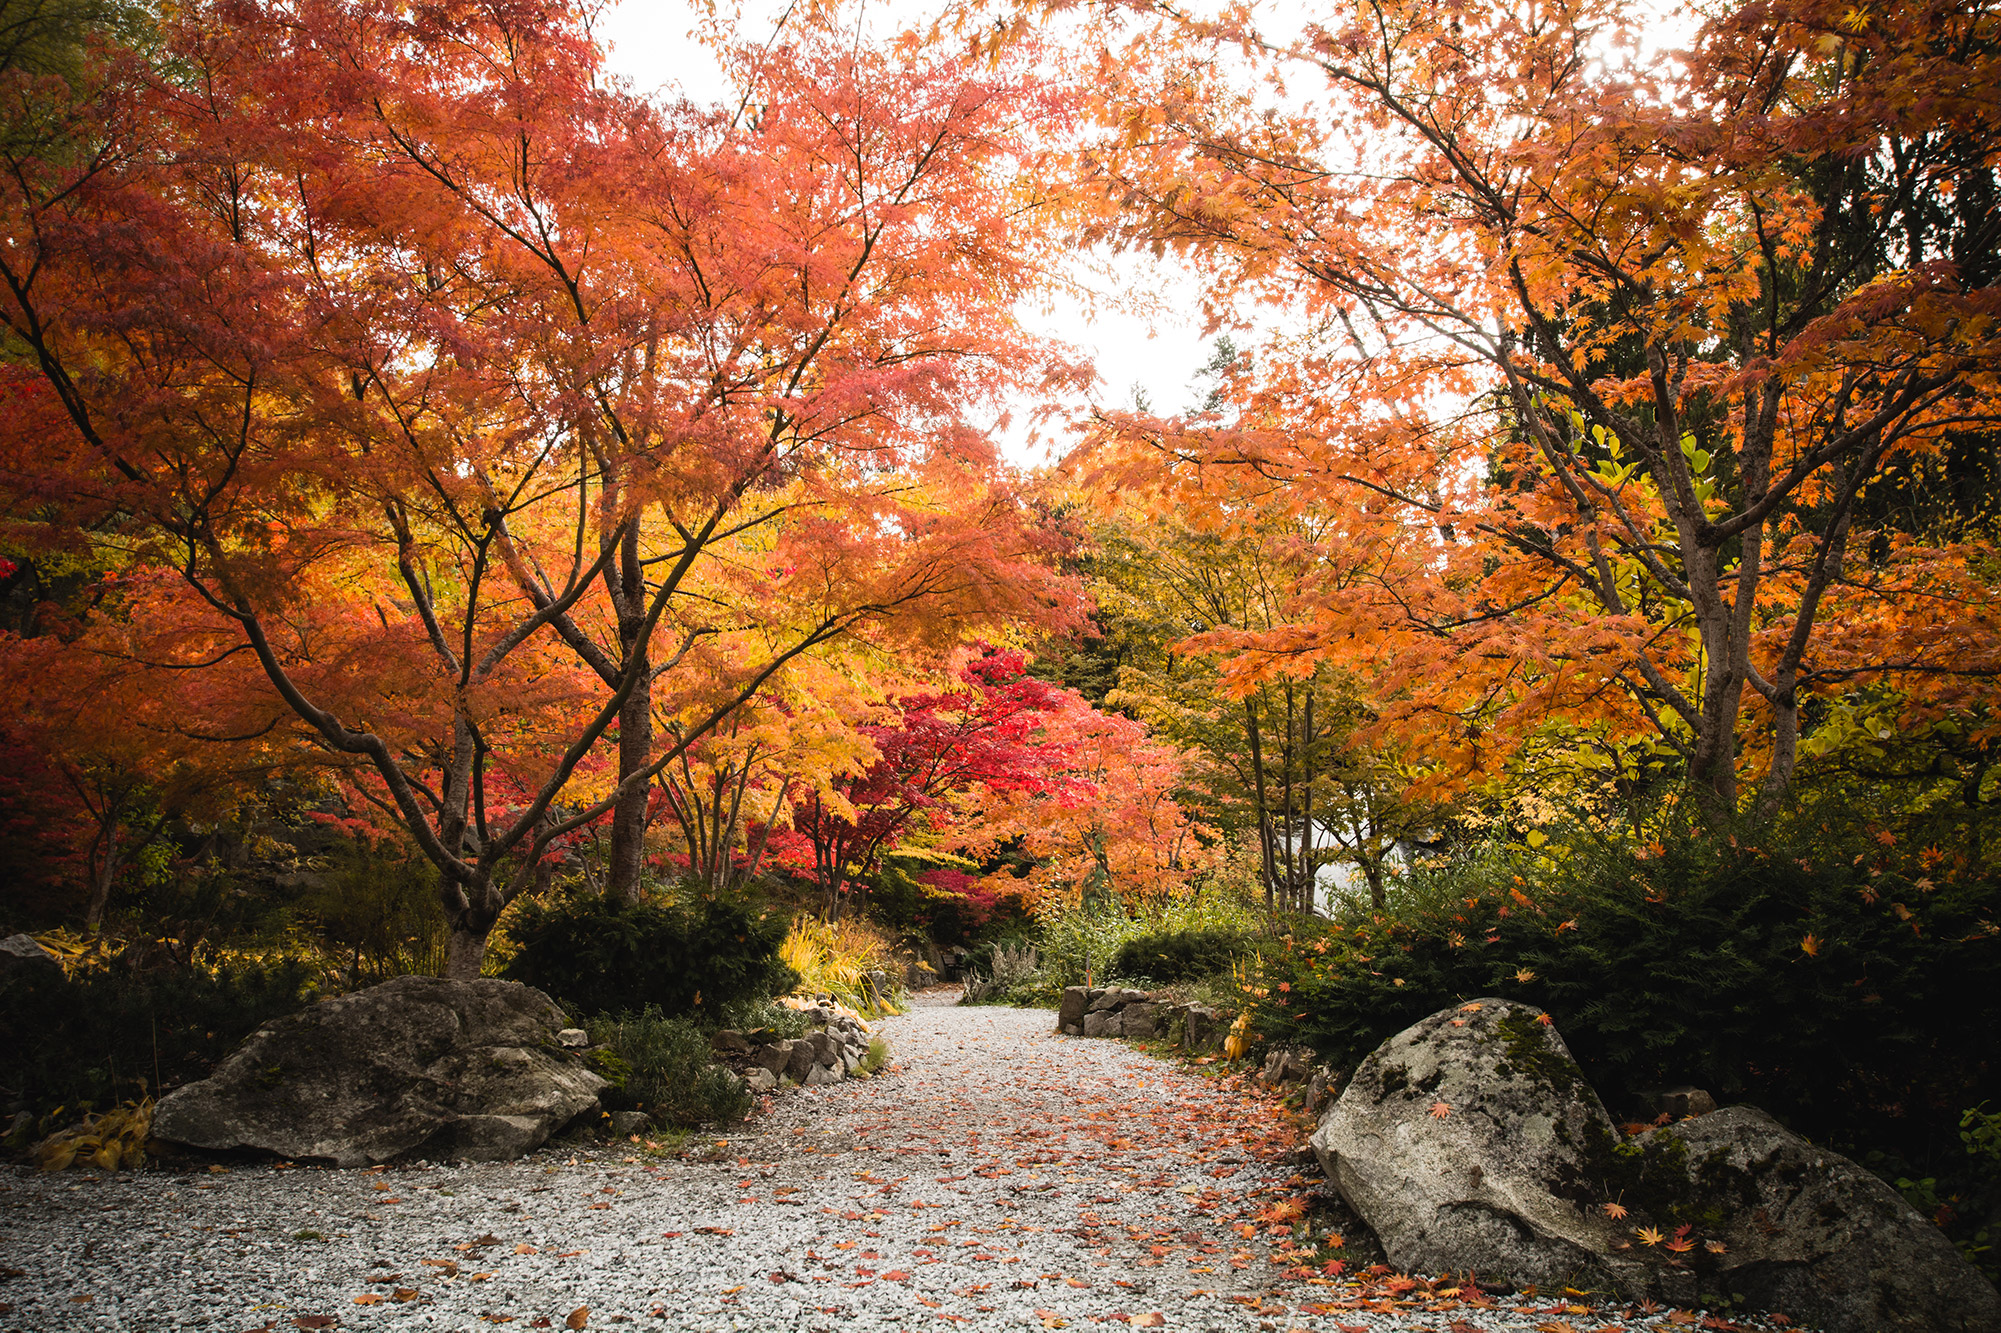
[1439,1110]
[1615,1211]
[1648,1235]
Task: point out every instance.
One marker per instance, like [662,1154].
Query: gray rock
[24,956]
[1453,1139]
[730,1042]
[1104,1023]
[826,1048]
[1685,1101]
[627,1123]
[417,1066]
[1815,1235]
[1202,1029]
[574,1039]
[1071,1012]
[1141,1019]
[819,1076]
[761,1080]
[805,1057]
[1104,1000]
[775,1056]
[1318,1089]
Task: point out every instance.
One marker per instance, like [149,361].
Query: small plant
[836,960]
[877,1057]
[662,1066]
[1014,969]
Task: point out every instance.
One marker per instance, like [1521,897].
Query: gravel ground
[999,1177]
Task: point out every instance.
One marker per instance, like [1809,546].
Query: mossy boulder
[414,1067]
[1472,1140]
[1465,1141]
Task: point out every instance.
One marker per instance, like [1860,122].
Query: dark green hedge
[598,956]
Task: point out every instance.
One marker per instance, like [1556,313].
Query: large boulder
[22,956]
[414,1067]
[1465,1141]
[1807,1231]
[1471,1140]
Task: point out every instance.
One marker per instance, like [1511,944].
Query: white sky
[649,42]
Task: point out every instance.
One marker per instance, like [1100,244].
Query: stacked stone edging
[1117,1011]
[835,1049]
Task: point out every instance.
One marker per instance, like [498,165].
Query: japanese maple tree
[438,368]
[1611,366]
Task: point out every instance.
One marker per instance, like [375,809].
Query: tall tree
[1600,355]
[434,365]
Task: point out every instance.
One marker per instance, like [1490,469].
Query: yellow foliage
[836,960]
[109,1141]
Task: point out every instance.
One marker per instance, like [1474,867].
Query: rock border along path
[1003,1177]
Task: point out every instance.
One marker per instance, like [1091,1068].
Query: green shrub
[599,956]
[1012,975]
[1179,955]
[1810,968]
[115,1034]
[663,1066]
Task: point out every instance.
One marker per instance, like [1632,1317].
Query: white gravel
[1004,1178]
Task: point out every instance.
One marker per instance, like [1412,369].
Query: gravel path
[1003,1178]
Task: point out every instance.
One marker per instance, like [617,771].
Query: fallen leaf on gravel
[316,1321]
[1461,1326]
[445,1267]
[1152,1319]
[578,1317]
[404,1295]
[369,1298]
[524,1249]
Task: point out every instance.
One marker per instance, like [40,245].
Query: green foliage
[764,1015]
[663,1066]
[1012,975]
[1179,955]
[378,909]
[1823,969]
[600,956]
[112,1034]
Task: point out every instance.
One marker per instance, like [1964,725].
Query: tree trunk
[628,817]
[465,951]
[1266,851]
[104,874]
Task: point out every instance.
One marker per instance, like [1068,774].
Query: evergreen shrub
[1179,955]
[663,1066]
[596,955]
[115,1034]
[1838,975]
